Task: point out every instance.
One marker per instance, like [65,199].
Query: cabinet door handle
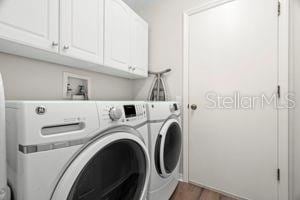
[66,47]
[54,44]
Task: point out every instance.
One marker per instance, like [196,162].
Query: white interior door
[82,29]
[233,49]
[30,22]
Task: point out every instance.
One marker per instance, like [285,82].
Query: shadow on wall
[28,79]
[142,88]
[139,4]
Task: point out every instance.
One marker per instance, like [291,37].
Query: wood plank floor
[185,191]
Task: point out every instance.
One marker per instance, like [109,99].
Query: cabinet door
[117,34]
[139,45]
[31,22]
[82,29]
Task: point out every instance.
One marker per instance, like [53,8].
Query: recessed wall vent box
[76,87]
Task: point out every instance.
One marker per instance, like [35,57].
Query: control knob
[115,114]
[172,108]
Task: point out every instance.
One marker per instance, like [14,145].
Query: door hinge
[278,174]
[188,106]
[278,91]
[279,8]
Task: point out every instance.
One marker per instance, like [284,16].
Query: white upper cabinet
[139,45]
[98,35]
[126,39]
[30,22]
[117,34]
[81,29]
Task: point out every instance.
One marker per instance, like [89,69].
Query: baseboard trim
[180,178]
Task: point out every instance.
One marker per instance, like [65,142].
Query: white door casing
[32,22]
[266,23]
[81,29]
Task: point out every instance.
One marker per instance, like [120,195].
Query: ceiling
[137,4]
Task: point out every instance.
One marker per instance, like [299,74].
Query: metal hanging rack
[158,90]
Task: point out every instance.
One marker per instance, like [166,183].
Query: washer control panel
[122,113]
[115,113]
[174,107]
[133,112]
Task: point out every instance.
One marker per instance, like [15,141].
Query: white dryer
[165,148]
[77,150]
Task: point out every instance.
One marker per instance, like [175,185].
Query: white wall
[27,79]
[165,23]
[295,113]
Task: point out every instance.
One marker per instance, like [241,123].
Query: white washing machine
[77,150]
[4,190]
[165,148]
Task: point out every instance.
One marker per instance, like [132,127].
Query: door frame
[283,79]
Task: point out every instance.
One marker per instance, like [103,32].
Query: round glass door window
[171,149]
[116,172]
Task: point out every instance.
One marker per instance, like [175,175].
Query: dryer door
[113,167]
[168,148]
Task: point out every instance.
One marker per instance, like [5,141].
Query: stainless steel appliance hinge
[279,8]
[278,174]
[278,91]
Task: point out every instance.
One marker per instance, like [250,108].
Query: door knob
[194,107]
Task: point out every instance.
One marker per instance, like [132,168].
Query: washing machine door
[4,190]
[168,148]
[115,167]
